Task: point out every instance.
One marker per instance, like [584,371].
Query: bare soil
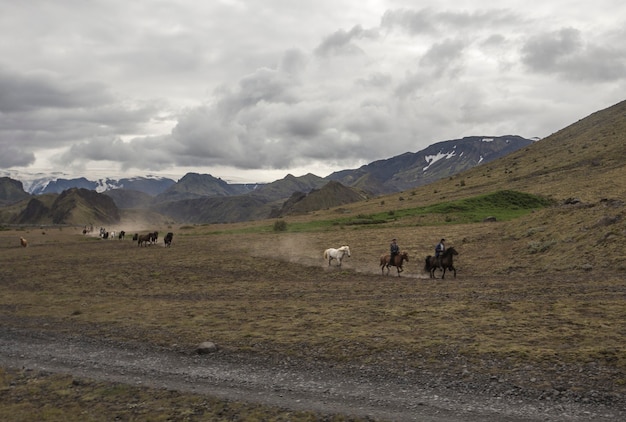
[293,333]
[360,392]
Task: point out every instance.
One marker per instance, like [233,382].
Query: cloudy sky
[250,91]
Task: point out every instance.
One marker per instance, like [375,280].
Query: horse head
[346,249]
[451,251]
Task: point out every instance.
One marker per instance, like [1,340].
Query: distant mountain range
[151,185]
[202,198]
[437,161]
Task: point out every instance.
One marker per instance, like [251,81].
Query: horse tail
[427,264]
[326,254]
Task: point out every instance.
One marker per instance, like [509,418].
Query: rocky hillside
[74,206]
[11,191]
[332,194]
[194,186]
[128,199]
[436,162]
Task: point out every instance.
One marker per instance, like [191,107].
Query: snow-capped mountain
[42,183]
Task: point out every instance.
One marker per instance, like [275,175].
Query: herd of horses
[431,263]
[151,239]
[141,239]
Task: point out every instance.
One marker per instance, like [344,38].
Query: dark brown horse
[168,239]
[445,262]
[397,262]
[144,239]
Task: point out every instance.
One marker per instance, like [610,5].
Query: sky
[250,91]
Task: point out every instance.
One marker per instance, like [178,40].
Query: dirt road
[289,384]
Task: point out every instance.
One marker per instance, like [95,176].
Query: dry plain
[515,324]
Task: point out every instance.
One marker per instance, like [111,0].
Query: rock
[490,219]
[206,347]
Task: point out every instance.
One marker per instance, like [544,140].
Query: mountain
[46,185]
[76,206]
[437,161]
[194,186]
[215,209]
[585,161]
[205,199]
[11,191]
[283,188]
[152,185]
[128,198]
[332,194]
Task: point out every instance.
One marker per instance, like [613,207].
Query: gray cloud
[244,86]
[35,90]
[341,42]
[566,53]
[430,21]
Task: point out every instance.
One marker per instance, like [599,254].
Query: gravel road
[320,387]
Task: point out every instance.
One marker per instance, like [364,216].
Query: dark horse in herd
[151,238]
[444,262]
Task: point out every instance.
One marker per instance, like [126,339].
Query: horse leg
[432,271]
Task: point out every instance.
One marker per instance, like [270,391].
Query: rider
[439,250]
[394,250]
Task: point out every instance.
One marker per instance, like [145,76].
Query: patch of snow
[432,159]
[107,184]
[487,139]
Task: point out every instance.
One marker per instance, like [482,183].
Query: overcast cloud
[251,91]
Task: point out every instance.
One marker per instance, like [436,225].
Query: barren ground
[296,335]
[359,392]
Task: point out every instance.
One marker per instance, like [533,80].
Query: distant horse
[121,235]
[168,239]
[135,236]
[445,263]
[23,242]
[338,254]
[398,260]
[153,236]
[144,238]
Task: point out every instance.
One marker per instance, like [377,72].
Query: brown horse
[444,262]
[397,262]
[144,239]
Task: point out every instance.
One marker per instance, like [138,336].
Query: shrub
[539,247]
[280,226]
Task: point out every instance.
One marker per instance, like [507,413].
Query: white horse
[338,254]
